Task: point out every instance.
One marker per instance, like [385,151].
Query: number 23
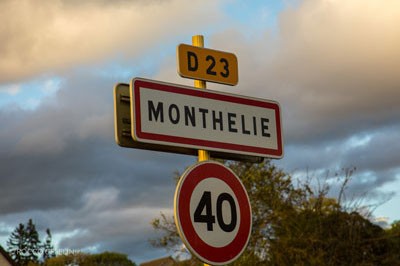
[210,69]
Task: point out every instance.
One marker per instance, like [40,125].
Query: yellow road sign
[207,64]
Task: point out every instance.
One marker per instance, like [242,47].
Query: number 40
[209,218]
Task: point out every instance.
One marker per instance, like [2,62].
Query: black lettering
[226,68]
[210,68]
[208,218]
[217,120]
[195,65]
[244,130]
[204,112]
[232,122]
[156,112]
[170,113]
[264,127]
[190,115]
[255,125]
[230,226]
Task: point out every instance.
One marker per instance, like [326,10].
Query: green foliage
[170,238]
[393,236]
[107,259]
[83,259]
[33,245]
[298,225]
[70,259]
[24,245]
[48,248]
[334,238]
[394,230]
[17,243]
[271,195]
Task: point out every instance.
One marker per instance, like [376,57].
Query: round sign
[212,213]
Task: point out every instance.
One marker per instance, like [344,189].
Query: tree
[17,245]
[25,247]
[69,259]
[108,259]
[271,194]
[334,238]
[83,259]
[393,234]
[48,249]
[298,225]
[32,242]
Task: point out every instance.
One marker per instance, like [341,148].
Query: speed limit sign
[212,213]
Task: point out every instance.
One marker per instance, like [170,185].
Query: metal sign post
[203,155]
[198,40]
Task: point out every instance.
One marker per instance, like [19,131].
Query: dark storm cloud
[102,223]
[67,146]
[378,151]
[61,160]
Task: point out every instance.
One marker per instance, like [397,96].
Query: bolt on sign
[168,114]
[207,64]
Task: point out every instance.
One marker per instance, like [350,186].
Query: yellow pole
[198,40]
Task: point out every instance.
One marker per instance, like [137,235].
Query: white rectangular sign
[170,114]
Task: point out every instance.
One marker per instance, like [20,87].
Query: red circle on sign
[188,182]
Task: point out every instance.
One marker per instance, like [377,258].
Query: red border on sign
[194,142]
[192,178]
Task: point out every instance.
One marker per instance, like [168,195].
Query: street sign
[122,125]
[212,213]
[123,135]
[207,64]
[175,115]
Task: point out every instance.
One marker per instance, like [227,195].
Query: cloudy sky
[332,65]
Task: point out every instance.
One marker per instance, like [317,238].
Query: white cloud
[53,35]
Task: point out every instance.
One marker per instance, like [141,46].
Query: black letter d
[191,67]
